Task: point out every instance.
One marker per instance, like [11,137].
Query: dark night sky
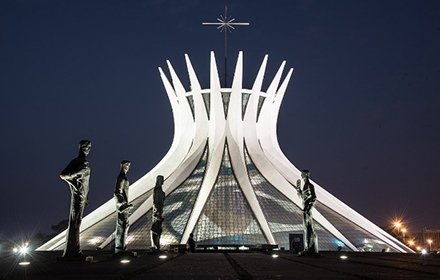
[362,111]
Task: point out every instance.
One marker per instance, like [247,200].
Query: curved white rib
[235,140]
[216,147]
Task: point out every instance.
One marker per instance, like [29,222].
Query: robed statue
[122,208]
[158,202]
[308,195]
[77,176]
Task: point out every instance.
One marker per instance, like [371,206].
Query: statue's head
[305,174]
[85,146]
[159,180]
[125,165]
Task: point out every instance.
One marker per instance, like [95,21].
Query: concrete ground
[226,265]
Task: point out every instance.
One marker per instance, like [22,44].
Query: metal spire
[226,23]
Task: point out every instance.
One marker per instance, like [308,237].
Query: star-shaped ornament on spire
[226,23]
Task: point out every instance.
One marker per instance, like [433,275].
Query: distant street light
[429,243]
[403,230]
[397,224]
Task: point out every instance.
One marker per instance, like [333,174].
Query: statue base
[124,254]
[309,254]
[154,251]
[73,258]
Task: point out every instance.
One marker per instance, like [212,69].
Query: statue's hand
[65,177]
[298,187]
[81,172]
[74,176]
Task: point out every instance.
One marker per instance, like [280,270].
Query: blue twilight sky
[362,111]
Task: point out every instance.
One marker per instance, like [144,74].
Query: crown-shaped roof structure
[227,180]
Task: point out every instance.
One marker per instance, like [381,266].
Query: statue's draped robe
[156,227]
[123,211]
[309,198]
[78,173]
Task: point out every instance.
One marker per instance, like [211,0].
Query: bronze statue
[77,175]
[122,207]
[308,196]
[158,202]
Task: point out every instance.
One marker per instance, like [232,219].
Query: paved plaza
[227,265]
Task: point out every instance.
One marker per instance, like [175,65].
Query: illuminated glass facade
[226,96]
[227,217]
[206,102]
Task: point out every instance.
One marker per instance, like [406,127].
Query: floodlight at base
[424,252]
[125,261]
[24,263]
[24,249]
[274,256]
[163,257]
[343,257]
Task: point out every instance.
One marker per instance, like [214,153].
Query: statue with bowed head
[77,176]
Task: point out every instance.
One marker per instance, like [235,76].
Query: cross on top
[226,23]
